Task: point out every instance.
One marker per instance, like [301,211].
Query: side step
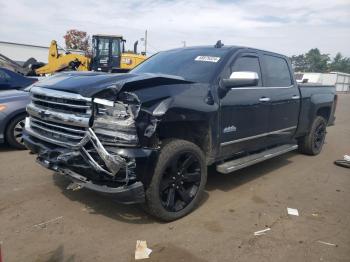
[242,162]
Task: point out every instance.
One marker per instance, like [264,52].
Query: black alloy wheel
[180,181]
[319,136]
[312,143]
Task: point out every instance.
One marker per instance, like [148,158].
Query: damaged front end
[97,143]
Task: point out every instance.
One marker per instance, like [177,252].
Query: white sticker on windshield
[213,59]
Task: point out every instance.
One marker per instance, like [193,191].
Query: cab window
[276,72]
[4,76]
[247,63]
[103,46]
[115,47]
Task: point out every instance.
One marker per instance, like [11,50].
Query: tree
[317,62]
[340,64]
[76,39]
[299,63]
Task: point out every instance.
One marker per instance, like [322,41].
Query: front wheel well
[13,117]
[197,132]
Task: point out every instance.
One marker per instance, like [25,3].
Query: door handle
[264,99]
[295,97]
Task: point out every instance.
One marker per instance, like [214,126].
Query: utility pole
[146,42]
[184,43]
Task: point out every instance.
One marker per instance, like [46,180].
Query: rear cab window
[276,72]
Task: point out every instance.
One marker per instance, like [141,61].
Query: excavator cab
[107,50]
[109,54]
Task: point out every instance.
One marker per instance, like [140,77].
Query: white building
[22,52]
[340,80]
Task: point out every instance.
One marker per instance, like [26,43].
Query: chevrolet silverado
[148,136]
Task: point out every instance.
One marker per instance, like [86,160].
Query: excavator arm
[58,62]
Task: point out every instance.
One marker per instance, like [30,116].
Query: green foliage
[340,64]
[315,61]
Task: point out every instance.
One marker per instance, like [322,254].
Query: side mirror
[241,79]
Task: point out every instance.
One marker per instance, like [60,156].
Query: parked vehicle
[12,114]
[148,136]
[12,80]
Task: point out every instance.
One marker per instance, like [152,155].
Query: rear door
[244,111]
[284,99]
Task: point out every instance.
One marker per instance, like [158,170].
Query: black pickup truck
[149,135]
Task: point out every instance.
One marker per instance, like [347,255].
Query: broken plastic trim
[118,120]
[127,194]
[113,162]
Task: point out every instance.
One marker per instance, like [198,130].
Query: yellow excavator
[108,56]
[58,62]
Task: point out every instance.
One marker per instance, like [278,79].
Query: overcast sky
[285,26]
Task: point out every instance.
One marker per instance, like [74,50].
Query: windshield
[197,65]
[103,46]
[115,47]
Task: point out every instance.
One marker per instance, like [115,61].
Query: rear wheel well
[324,112]
[196,132]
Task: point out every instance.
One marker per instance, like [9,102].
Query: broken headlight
[114,122]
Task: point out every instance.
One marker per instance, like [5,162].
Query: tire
[29,63]
[14,132]
[312,143]
[178,181]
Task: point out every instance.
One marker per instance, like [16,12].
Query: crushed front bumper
[131,194]
[121,173]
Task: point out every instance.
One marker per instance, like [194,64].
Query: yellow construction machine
[58,62]
[108,56]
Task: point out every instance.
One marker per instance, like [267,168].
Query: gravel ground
[41,221]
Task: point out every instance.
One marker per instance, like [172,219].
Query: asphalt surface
[41,221]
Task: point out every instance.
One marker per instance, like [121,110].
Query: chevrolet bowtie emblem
[44,114]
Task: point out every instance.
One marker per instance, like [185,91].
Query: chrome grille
[60,104]
[59,117]
[57,131]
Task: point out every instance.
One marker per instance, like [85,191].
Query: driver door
[244,111]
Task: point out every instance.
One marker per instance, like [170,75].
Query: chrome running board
[242,162]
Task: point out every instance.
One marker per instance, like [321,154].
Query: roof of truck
[227,47]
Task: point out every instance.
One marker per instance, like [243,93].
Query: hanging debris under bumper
[130,194]
[120,173]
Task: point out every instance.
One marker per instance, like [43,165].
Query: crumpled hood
[89,84]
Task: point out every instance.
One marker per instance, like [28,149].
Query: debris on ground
[142,251]
[74,186]
[43,224]
[261,232]
[292,211]
[327,243]
[345,162]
